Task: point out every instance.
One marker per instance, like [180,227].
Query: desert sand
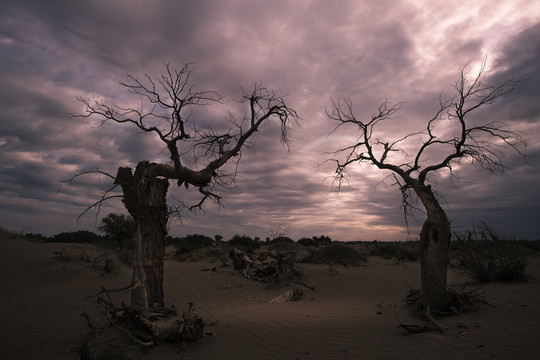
[352,313]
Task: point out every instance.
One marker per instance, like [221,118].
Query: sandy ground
[352,314]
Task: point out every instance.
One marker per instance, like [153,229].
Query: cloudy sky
[312,52]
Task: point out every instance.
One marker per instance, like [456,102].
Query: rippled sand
[352,314]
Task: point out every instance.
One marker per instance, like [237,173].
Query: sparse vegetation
[191,242]
[389,250]
[307,242]
[315,241]
[103,261]
[337,254]
[460,301]
[494,260]
[81,236]
[485,256]
[244,242]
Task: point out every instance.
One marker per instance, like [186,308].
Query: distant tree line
[119,232]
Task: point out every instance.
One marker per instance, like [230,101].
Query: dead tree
[481,143]
[167,111]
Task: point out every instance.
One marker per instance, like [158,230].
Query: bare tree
[482,144]
[167,111]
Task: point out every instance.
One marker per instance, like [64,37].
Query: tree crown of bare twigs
[167,110]
[483,145]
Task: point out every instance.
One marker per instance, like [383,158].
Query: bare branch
[167,109]
[206,195]
[482,144]
[104,196]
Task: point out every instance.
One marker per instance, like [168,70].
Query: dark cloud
[310,51]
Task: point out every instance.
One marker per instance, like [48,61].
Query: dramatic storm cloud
[312,52]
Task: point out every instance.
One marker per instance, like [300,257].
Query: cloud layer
[312,51]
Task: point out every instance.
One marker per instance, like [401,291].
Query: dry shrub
[389,250]
[485,256]
[103,261]
[212,253]
[337,254]
[458,301]
[494,260]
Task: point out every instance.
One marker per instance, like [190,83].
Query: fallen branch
[140,342]
[105,291]
[291,295]
[267,267]
[430,324]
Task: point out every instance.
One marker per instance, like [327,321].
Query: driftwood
[291,295]
[429,325]
[268,266]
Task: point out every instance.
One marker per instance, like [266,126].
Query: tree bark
[434,252]
[145,199]
[139,295]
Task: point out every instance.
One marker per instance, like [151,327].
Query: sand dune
[352,314]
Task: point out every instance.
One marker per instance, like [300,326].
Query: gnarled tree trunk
[145,199]
[434,247]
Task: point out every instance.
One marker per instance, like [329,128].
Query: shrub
[322,240]
[37,238]
[487,256]
[192,242]
[308,242]
[81,236]
[281,240]
[103,262]
[389,250]
[214,254]
[244,241]
[282,244]
[494,260]
[337,254]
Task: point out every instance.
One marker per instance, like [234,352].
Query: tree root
[459,301]
[148,329]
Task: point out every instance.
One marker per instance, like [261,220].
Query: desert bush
[337,254]
[494,260]
[308,242]
[214,254]
[282,244]
[244,241]
[322,240]
[38,238]
[281,240]
[389,250]
[81,236]
[103,261]
[192,242]
[486,256]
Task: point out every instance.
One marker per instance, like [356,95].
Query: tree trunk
[139,295]
[434,249]
[145,199]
